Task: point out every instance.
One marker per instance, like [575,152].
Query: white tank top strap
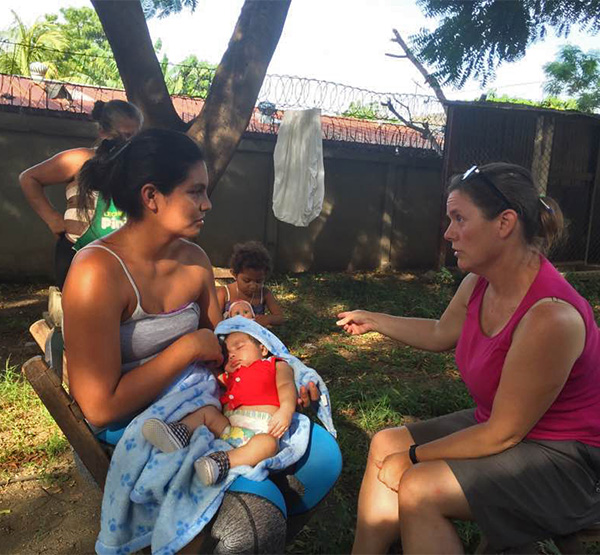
[129,276]
[227,293]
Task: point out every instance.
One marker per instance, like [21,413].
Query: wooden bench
[67,414]
[50,382]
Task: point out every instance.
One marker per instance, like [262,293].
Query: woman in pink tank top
[525,463]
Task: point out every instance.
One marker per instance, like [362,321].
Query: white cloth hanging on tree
[299,186]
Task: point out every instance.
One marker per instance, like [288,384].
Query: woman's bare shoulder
[74,157]
[551,326]
[61,167]
[465,288]
[192,253]
[554,313]
[92,259]
[81,152]
[95,275]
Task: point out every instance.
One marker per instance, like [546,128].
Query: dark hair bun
[120,168]
[98,110]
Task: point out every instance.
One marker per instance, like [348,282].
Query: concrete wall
[380,208]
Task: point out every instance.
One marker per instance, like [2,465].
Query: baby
[259,402]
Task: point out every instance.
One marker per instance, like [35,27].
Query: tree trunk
[237,82]
[126,30]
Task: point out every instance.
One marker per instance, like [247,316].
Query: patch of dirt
[60,515]
[52,515]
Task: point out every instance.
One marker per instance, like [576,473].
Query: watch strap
[412,453]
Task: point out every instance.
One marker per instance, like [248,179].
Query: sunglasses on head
[476,171]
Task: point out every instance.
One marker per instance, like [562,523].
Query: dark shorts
[63,256]
[532,491]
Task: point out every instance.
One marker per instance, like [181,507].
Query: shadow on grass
[20,306]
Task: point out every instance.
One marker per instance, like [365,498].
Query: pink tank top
[575,414]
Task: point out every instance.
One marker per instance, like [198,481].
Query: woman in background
[115,118]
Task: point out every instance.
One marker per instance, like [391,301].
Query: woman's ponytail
[101,174]
[541,218]
[120,168]
[551,225]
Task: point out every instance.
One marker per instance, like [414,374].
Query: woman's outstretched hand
[356,322]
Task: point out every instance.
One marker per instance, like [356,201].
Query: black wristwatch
[412,453]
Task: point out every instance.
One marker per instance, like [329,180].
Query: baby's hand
[280,422]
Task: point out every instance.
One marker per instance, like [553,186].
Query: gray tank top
[143,335]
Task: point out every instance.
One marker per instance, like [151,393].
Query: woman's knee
[431,487]
[388,441]
[413,491]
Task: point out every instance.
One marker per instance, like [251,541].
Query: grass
[373,382]
[29,438]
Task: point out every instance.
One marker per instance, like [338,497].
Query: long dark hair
[120,169]
[541,217]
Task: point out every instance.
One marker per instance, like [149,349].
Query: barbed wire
[293,92]
[278,93]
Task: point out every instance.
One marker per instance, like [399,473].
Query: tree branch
[430,79]
[126,30]
[237,82]
[423,129]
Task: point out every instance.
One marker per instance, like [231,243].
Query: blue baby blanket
[154,498]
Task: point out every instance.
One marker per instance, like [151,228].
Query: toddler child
[250,265]
[259,402]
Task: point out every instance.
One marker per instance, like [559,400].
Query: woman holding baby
[140,306]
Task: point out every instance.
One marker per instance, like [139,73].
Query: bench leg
[68,416]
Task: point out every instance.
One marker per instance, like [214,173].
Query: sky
[344,41]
